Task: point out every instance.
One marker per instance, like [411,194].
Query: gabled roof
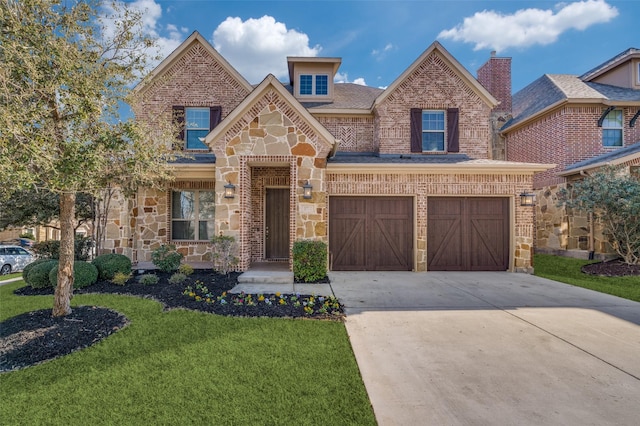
[618,156]
[611,63]
[553,90]
[269,82]
[166,64]
[453,63]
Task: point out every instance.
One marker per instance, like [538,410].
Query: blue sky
[378,40]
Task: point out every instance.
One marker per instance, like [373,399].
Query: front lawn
[10,276]
[187,367]
[567,270]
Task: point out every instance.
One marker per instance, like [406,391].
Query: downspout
[590,221]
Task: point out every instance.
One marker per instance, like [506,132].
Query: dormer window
[314,84]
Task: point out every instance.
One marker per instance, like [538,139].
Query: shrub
[224,258]
[84,274]
[51,248]
[39,275]
[27,235]
[148,279]
[185,269]
[110,264]
[27,269]
[177,278]
[309,261]
[166,258]
[120,278]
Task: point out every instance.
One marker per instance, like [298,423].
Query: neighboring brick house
[394,179]
[578,123]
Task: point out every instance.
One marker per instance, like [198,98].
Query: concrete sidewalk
[491,348]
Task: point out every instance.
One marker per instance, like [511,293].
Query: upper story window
[314,84]
[434,130]
[196,123]
[612,129]
[193,215]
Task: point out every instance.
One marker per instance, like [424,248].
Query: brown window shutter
[453,135]
[178,118]
[416,129]
[215,115]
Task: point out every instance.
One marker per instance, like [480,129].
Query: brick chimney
[495,76]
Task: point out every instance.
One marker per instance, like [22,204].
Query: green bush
[149,279]
[27,235]
[51,248]
[84,274]
[39,275]
[309,261]
[166,258]
[27,269]
[186,269]
[120,278]
[110,264]
[177,278]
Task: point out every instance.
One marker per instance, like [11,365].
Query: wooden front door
[468,234]
[371,233]
[276,229]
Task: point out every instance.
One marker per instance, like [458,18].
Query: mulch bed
[35,337]
[612,268]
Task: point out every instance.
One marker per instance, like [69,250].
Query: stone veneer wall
[433,85]
[270,134]
[423,185]
[355,133]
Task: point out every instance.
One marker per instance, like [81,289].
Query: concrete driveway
[480,348]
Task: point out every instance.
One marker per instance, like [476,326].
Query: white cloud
[257,47]
[379,54]
[359,81]
[167,39]
[526,27]
[344,78]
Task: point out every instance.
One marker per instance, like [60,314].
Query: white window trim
[313,85]
[187,128]
[196,213]
[621,128]
[443,131]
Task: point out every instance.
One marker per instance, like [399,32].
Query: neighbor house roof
[611,63]
[553,90]
[618,156]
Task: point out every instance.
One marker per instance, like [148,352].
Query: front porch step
[265,277]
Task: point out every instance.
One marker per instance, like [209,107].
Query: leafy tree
[40,208]
[612,196]
[66,68]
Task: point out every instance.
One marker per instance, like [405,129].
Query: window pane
[182,230]
[613,119]
[322,84]
[206,229]
[306,84]
[207,205]
[183,205]
[197,118]
[433,141]
[433,120]
[611,137]
[193,141]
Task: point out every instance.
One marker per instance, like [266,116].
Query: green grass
[184,367]
[9,276]
[567,270]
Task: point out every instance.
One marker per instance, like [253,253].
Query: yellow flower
[261,298]
[278,294]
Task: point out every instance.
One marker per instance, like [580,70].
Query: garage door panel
[470,234]
[384,238]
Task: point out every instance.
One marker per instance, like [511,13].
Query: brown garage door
[467,234]
[371,233]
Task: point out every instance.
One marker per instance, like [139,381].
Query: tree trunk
[64,289]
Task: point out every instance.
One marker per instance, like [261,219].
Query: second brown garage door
[467,234]
[371,233]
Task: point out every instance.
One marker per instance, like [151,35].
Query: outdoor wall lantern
[229,190]
[306,188]
[527,199]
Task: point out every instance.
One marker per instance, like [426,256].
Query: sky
[378,40]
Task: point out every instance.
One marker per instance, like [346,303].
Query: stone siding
[433,85]
[424,185]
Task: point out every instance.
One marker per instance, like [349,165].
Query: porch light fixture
[527,199]
[229,190]
[306,190]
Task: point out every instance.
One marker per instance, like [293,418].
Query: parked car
[22,242]
[14,258]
